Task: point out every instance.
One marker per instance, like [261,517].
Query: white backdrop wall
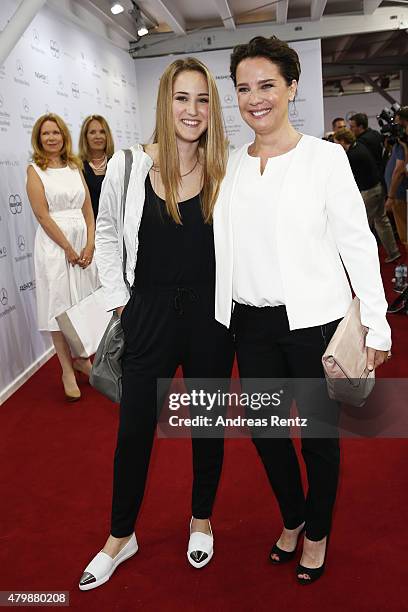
[59,68]
[306,115]
[346,106]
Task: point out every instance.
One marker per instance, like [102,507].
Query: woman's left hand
[376,358]
[86,257]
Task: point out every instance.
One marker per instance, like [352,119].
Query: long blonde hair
[83,140]
[39,156]
[212,144]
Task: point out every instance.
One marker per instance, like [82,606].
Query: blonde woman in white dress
[64,243]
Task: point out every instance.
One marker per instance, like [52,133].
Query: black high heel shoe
[314,573]
[284,555]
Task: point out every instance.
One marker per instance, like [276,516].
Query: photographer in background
[368,181]
[368,137]
[395,177]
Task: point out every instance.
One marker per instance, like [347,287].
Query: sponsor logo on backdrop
[222,77]
[4,117]
[41,76]
[230,119]
[4,302]
[36,42]
[54,48]
[75,90]
[1,101]
[3,252]
[124,82]
[60,87]
[27,121]
[20,74]
[15,204]
[21,242]
[21,245]
[29,286]
[3,297]
[228,98]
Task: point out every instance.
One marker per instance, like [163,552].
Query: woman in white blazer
[288,220]
[168,320]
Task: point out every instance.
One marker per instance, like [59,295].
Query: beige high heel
[72,394]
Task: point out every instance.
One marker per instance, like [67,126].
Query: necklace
[181,175]
[101,166]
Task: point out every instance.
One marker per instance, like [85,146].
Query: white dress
[59,284]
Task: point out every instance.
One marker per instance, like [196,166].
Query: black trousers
[164,329]
[266,349]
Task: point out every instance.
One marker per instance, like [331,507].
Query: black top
[172,255]
[373,141]
[363,166]
[94,182]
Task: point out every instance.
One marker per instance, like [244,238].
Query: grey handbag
[106,373]
[344,361]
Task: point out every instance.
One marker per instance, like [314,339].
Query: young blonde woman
[95,149]
[64,242]
[169,318]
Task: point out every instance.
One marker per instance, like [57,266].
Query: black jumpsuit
[168,321]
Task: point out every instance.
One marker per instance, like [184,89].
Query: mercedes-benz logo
[230,119]
[15,204]
[1,101]
[21,242]
[26,106]
[36,36]
[228,98]
[19,67]
[3,297]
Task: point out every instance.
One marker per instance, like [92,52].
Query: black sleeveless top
[94,182]
[172,255]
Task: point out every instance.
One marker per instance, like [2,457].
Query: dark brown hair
[273,49]
[344,135]
[360,119]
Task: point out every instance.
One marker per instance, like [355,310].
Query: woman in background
[64,243]
[95,149]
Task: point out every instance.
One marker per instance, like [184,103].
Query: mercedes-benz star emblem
[21,243]
[3,297]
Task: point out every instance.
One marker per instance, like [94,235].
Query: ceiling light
[117,8]
[143,31]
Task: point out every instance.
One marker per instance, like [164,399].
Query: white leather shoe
[102,566]
[200,548]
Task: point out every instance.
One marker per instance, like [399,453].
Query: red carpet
[55,488]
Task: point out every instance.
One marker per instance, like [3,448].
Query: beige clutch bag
[344,361]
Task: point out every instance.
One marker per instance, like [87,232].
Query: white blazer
[110,230]
[322,224]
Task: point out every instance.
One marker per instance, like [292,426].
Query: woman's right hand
[71,255]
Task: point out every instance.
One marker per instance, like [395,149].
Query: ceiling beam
[379,89]
[282,11]
[227,17]
[317,9]
[170,15]
[342,46]
[384,19]
[369,6]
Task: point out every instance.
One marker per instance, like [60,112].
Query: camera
[388,128]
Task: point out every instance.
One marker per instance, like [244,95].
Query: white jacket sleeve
[357,247]
[109,234]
